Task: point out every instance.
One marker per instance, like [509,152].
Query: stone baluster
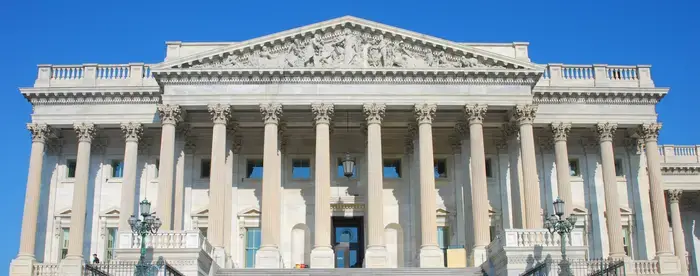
[322,255]
[606,131]
[674,198]
[170,116]
[376,254]
[268,256]
[133,132]
[220,116]
[524,115]
[560,132]
[480,198]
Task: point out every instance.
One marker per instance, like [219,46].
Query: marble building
[244,149]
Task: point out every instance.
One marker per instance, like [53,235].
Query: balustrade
[188,239]
[91,75]
[677,154]
[597,75]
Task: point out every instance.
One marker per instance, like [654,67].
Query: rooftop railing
[596,75]
[679,154]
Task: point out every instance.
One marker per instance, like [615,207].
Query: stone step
[471,271]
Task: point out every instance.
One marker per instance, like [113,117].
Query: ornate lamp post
[563,226]
[149,225]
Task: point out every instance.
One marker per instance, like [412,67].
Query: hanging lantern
[559,207]
[348,166]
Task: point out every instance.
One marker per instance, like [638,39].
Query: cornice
[597,95]
[92,95]
[487,76]
[680,169]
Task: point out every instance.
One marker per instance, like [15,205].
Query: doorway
[349,230]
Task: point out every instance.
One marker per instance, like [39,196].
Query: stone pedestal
[431,256]
[478,256]
[375,257]
[268,257]
[22,266]
[71,267]
[669,265]
[322,257]
[219,256]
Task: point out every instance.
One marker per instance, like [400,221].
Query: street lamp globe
[348,166]
[157,224]
[559,207]
[133,221]
[145,207]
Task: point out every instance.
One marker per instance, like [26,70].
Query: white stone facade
[230,105]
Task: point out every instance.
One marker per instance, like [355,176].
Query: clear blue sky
[665,34]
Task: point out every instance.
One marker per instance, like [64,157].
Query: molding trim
[634,96]
[678,169]
[80,96]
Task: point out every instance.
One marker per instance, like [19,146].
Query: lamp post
[149,225]
[563,226]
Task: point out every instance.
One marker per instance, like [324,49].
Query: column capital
[85,131]
[271,112]
[524,114]
[132,131]
[674,196]
[170,114]
[220,113]
[606,131]
[425,113]
[649,132]
[475,113]
[323,113]
[374,112]
[40,132]
[560,131]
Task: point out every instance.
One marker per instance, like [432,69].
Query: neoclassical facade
[392,147]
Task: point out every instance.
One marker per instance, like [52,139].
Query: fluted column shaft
[85,133]
[132,133]
[374,113]
[606,131]
[525,115]
[322,212]
[40,133]
[170,115]
[659,218]
[425,114]
[674,197]
[220,114]
[270,221]
[480,200]
[560,132]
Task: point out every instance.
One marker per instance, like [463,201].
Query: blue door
[349,230]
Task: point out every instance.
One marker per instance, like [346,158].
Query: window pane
[157,166]
[111,240]
[618,168]
[252,245]
[64,243]
[440,168]
[71,167]
[254,168]
[392,168]
[574,168]
[205,168]
[117,168]
[489,169]
[301,169]
[341,170]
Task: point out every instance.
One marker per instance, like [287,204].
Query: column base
[322,257]
[219,256]
[431,256]
[72,266]
[669,264]
[22,266]
[268,257]
[375,256]
[479,255]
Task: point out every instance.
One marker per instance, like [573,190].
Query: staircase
[470,271]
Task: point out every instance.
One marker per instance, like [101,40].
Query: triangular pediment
[64,212]
[249,212]
[111,212]
[203,212]
[347,43]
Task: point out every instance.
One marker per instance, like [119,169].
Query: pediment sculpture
[346,48]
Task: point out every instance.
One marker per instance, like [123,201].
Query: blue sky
[661,33]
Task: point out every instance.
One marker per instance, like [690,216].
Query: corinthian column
[132,133]
[560,132]
[268,255]
[524,115]
[376,254]
[650,134]
[606,131]
[170,115]
[480,197]
[430,253]
[674,197]
[220,115]
[85,133]
[322,254]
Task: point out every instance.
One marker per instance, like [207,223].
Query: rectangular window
[443,241]
[392,168]
[492,232]
[64,242]
[301,169]
[205,168]
[204,231]
[157,167]
[252,245]
[618,167]
[626,241]
[440,168]
[489,168]
[254,169]
[70,164]
[574,168]
[117,168]
[111,242]
[341,170]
